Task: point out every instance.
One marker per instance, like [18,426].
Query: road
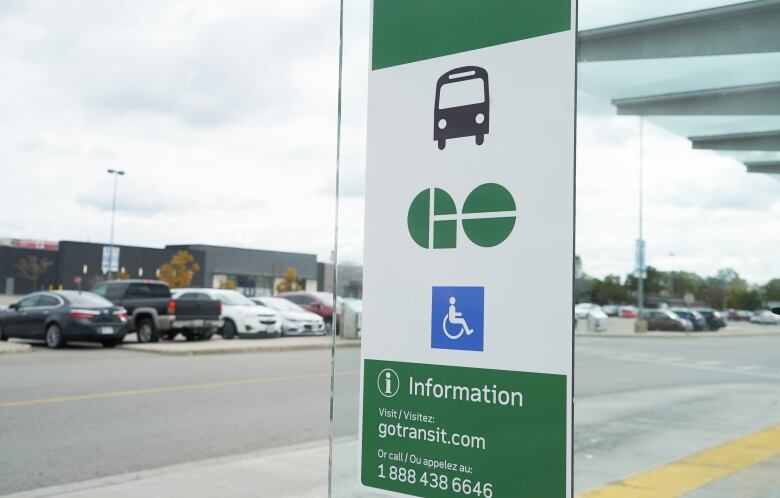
[82,413]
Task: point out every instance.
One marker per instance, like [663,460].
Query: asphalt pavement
[85,413]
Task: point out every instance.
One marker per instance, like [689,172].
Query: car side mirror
[14,307]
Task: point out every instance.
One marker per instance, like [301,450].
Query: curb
[275,348]
[677,335]
[15,348]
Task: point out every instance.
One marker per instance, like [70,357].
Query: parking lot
[84,413]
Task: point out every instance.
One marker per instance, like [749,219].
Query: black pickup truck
[152,311]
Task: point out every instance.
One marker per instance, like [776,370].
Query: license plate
[107,330]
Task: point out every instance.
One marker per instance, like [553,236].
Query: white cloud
[223,115]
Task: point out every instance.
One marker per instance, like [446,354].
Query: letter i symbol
[388,383]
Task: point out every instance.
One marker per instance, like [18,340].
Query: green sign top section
[413,30]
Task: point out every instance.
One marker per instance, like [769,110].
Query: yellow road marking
[171,389]
[695,471]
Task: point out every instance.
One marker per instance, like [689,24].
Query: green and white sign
[466,378]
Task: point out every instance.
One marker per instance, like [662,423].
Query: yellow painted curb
[695,471]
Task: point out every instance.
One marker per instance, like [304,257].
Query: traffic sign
[466,378]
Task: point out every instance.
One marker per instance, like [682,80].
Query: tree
[229,284]
[290,282]
[180,270]
[609,291]
[772,290]
[32,269]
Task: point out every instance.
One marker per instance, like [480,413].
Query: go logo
[488,217]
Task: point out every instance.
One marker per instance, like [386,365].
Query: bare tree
[32,268]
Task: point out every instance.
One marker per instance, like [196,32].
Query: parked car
[295,320]
[664,319]
[766,317]
[611,310]
[581,310]
[320,303]
[152,310]
[628,312]
[745,315]
[62,316]
[693,316]
[714,320]
[597,320]
[241,316]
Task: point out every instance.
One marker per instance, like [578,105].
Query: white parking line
[671,359]
[749,367]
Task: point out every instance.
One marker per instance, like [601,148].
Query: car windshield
[87,299]
[279,304]
[234,299]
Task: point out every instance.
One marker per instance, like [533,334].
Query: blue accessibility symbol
[457,318]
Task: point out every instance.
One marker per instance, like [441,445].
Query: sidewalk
[294,472]
[221,346]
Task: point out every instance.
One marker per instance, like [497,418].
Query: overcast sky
[223,116]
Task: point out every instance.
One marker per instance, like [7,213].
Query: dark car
[454,117]
[152,311]
[693,316]
[714,320]
[62,316]
[663,319]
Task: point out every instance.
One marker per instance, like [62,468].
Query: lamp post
[640,294]
[116,173]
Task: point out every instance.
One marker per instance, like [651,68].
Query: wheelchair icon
[454,317]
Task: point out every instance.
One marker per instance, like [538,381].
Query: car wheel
[442,144]
[229,330]
[2,335]
[54,338]
[147,331]
[480,139]
[110,343]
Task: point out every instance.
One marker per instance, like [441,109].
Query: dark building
[85,260]
[251,271]
[350,279]
[13,261]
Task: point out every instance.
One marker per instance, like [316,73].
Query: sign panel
[110,259]
[466,378]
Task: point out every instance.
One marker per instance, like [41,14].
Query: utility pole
[640,292]
[116,173]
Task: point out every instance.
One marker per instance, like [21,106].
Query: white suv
[242,316]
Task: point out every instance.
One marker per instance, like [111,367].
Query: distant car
[295,320]
[62,316]
[597,320]
[714,320]
[766,317]
[664,319]
[693,316]
[152,311]
[581,310]
[242,317]
[611,310]
[320,303]
[745,315]
[628,312]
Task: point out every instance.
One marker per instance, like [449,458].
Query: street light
[116,173]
